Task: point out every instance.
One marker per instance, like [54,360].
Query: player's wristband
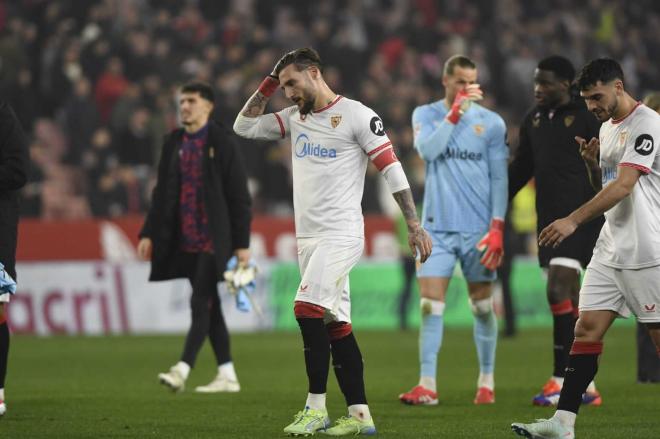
[268,86]
[497,224]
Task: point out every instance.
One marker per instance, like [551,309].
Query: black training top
[549,153]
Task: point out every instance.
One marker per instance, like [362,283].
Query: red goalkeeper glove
[493,244]
[462,102]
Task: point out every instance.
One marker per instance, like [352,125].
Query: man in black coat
[14,160]
[199,217]
[549,153]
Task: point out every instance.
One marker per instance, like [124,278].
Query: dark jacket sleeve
[14,154]
[158,192]
[521,168]
[239,202]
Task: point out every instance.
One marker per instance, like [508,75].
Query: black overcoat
[14,164]
[225,195]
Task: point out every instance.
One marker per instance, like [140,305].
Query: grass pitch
[107,388]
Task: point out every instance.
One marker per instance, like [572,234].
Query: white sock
[565,418]
[2,394]
[486,380]
[183,368]
[591,387]
[558,380]
[428,383]
[315,401]
[227,371]
[359,411]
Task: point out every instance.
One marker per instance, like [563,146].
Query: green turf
[106,387]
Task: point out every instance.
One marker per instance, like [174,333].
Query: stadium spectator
[331,137]
[61,41]
[548,153]
[199,217]
[464,146]
[14,163]
[622,277]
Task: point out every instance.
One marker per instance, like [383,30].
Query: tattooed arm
[251,122]
[256,105]
[418,239]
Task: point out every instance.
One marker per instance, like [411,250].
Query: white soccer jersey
[630,238]
[329,150]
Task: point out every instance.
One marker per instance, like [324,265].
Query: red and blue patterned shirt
[195,235]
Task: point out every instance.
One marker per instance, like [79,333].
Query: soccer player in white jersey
[624,272]
[465,199]
[332,139]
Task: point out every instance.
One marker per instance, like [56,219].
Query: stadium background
[93,82]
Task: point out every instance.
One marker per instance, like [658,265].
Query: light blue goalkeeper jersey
[466,167]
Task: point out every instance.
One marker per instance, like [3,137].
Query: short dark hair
[560,66]
[203,88]
[458,61]
[301,58]
[601,69]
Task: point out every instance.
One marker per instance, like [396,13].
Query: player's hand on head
[420,243]
[278,67]
[556,232]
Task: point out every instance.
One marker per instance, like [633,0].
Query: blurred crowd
[94,82]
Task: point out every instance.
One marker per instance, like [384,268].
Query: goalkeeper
[465,199]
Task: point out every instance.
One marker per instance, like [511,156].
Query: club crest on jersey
[304,147]
[568,120]
[335,120]
[478,129]
[622,138]
[536,121]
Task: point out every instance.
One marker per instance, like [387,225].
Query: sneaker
[484,396]
[543,429]
[549,396]
[592,398]
[308,422]
[419,396]
[3,407]
[351,426]
[219,384]
[172,379]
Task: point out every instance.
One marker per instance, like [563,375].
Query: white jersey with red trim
[630,238]
[329,150]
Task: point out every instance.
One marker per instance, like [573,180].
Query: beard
[307,103]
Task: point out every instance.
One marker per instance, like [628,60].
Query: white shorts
[324,266]
[4,298]
[622,291]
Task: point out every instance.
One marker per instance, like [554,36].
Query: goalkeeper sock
[4,353]
[485,334]
[430,340]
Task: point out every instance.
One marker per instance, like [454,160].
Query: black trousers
[206,313]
